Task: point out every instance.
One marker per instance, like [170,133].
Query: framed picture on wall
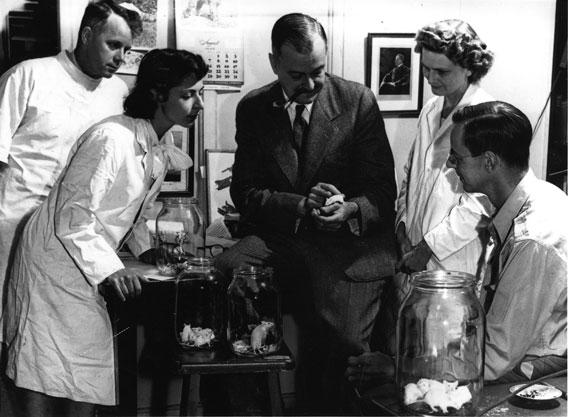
[394,73]
[154,15]
[219,175]
[131,61]
[181,182]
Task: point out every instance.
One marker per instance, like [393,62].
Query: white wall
[520,32]
[70,14]
[257,16]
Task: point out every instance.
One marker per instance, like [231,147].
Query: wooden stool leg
[275,393]
[184,403]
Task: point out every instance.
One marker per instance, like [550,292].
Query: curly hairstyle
[160,70]
[458,41]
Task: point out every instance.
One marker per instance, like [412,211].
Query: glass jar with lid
[179,234]
[440,345]
[255,318]
[200,306]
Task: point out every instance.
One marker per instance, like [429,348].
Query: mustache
[294,96]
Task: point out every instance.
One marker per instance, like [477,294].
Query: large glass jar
[179,234]
[255,318]
[200,306]
[440,345]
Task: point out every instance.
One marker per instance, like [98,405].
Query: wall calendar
[213,31]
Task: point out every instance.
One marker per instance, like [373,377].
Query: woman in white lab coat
[437,222]
[60,347]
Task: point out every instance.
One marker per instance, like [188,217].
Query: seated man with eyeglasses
[524,289]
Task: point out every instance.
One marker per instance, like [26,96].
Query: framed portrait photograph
[219,175]
[394,73]
[181,182]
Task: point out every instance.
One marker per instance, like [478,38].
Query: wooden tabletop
[382,400]
[222,361]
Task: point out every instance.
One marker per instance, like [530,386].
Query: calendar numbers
[224,67]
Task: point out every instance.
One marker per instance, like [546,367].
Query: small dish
[537,392]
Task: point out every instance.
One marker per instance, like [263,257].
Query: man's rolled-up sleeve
[461,225]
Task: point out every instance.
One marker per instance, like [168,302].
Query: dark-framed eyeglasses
[214,250]
[456,159]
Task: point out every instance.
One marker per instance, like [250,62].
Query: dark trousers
[335,315]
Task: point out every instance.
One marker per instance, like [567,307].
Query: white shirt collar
[292,109]
[505,216]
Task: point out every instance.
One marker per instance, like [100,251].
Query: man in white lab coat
[47,103]
[524,287]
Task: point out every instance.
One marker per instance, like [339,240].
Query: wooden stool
[188,363]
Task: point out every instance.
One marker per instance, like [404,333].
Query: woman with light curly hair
[437,222]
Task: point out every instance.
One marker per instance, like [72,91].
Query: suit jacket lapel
[321,132]
[279,139]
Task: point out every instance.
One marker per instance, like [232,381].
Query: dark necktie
[490,285]
[300,127]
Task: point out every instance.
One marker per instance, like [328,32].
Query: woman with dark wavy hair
[60,348]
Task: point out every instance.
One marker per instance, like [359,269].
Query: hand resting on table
[126,283]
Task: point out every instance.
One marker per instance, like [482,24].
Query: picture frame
[394,73]
[154,14]
[219,174]
[181,182]
[131,62]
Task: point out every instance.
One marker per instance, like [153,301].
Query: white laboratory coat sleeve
[460,227]
[140,239]
[401,200]
[14,91]
[432,203]
[85,185]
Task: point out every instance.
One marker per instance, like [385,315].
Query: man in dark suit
[302,139]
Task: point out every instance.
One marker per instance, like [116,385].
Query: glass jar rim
[179,200]
[252,271]
[200,261]
[442,279]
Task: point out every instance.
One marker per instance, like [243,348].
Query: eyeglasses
[455,159]
[214,250]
